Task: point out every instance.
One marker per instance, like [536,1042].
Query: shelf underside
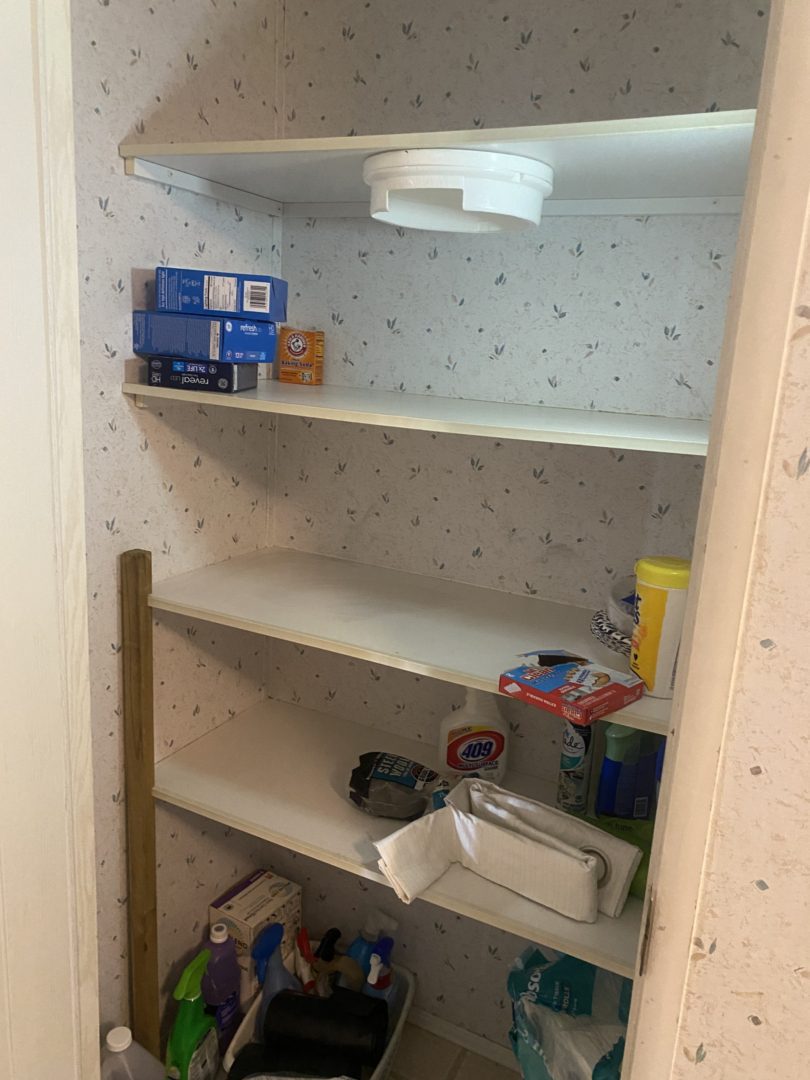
[447,630]
[281,773]
[702,157]
[460,416]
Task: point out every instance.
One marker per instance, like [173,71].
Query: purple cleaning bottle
[220,985]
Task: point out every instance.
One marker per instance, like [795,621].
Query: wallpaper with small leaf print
[191,485]
[619,313]
[196,486]
[360,66]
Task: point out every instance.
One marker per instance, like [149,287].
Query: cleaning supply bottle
[377,925]
[124,1059]
[270,971]
[192,1053]
[475,739]
[661,588]
[221,984]
[575,769]
[628,778]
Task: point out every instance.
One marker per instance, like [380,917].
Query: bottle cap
[219,933]
[118,1039]
[666,571]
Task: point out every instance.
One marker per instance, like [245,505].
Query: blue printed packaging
[197,337]
[210,292]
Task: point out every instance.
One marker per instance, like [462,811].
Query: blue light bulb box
[198,337]
[209,292]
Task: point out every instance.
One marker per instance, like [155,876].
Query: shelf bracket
[161,174]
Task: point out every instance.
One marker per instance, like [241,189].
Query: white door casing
[48,965]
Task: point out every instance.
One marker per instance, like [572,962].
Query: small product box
[201,375]
[209,292]
[198,337]
[578,689]
[300,356]
[247,907]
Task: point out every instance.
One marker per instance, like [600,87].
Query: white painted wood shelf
[447,630]
[460,416]
[658,164]
[281,773]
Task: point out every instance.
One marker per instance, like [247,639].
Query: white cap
[119,1039]
[219,933]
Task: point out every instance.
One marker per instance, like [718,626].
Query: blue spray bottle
[270,971]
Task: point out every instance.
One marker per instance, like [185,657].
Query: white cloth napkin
[537,851]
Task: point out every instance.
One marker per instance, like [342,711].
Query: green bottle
[192,1053]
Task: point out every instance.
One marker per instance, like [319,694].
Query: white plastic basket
[244,1034]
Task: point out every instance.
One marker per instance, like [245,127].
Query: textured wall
[192,485]
[189,484]
[417,65]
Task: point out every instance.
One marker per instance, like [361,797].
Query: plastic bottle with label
[661,589]
[575,769]
[192,1052]
[221,984]
[474,740]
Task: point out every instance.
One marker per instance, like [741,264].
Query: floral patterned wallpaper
[189,484]
[195,486]
[415,65]
[619,313]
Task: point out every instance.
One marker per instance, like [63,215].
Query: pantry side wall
[189,484]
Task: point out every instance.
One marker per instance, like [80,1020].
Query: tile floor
[423,1056]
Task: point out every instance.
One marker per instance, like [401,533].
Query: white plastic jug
[124,1059]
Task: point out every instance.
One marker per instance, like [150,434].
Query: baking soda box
[300,356]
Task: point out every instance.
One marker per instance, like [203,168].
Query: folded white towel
[616,860]
[535,850]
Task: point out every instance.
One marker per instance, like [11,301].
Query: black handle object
[347,1023]
[326,949]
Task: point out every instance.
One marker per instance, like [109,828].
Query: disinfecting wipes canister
[661,588]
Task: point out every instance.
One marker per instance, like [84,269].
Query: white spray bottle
[474,739]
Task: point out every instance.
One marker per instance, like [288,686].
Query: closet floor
[422,1055]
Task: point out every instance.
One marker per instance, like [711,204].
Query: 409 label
[472,749]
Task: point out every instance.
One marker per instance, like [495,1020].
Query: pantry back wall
[193,486]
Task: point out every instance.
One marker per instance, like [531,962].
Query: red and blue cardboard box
[571,686]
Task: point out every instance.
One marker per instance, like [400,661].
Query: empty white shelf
[656,164]
[281,773]
[446,630]
[460,416]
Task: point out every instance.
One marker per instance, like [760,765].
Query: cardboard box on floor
[247,907]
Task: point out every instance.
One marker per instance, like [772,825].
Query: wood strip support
[139,764]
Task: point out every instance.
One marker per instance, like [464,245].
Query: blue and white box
[209,292]
[197,337]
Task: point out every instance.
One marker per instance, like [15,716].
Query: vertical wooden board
[136,637]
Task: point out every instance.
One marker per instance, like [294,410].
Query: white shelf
[460,416]
[446,630]
[658,164]
[281,773]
